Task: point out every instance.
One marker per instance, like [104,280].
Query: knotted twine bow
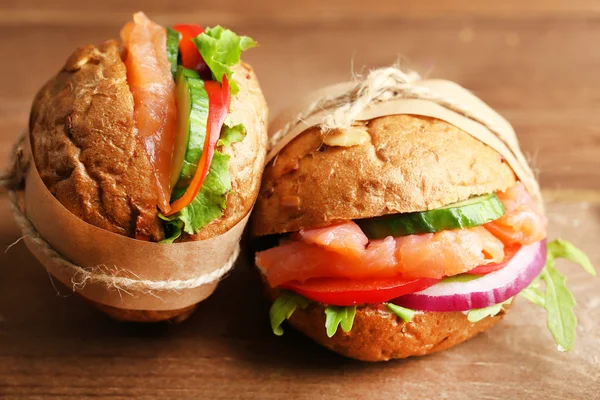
[343,108]
[14,180]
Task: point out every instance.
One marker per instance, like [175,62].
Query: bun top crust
[85,144]
[86,149]
[412,163]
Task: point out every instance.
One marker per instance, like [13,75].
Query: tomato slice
[349,292]
[509,252]
[190,56]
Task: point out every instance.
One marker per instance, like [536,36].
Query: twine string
[380,85]
[14,179]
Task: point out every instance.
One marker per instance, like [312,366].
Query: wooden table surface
[537,62]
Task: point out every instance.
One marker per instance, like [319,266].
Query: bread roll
[85,147]
[411,163]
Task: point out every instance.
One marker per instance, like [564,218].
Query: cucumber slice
[465,214]
[192,116]
[173,38]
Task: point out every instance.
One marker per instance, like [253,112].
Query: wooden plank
[535,61]
[54,346]
[284,13]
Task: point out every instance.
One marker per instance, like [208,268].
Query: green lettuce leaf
[173,229]
[221,49]
[406,314]
[336,316]
[556,298]
[477,314]
[209,203]
[283,308]
[231,135]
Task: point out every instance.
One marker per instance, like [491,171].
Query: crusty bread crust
[85,144]
[379,335]
[412,163]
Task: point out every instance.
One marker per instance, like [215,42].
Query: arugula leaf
[406,314]
[556,297]
[534,295]
[477,314]
[336,316]
[221,49]
[283,308]
[231,135]
[562,249]
[559,303]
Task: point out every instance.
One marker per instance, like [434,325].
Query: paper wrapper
[99,250]
[507,145]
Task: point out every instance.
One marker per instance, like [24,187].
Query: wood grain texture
[54,345]
[537,62]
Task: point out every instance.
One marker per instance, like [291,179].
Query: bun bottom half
[122,314]
[381,336]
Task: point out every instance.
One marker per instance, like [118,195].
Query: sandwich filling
[473,257]
[181,79]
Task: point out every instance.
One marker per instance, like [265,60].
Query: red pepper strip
[218,107]
[190,56]
[349,292]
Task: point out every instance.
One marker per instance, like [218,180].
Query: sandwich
[159,137]
[401,235]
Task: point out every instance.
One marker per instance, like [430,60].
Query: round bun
[85,147]
[84,144]
[412,163]
[379,335]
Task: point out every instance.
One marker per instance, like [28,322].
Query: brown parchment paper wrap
[163,276]
[397,94]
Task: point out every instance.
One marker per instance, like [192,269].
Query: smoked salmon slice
[522,223]
[151,83]
[343,250]
[345,238]
[299,261]
[416,256]
[447,253]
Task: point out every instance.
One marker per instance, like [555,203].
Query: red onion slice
[490,289]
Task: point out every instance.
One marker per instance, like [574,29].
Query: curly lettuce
[221,49]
